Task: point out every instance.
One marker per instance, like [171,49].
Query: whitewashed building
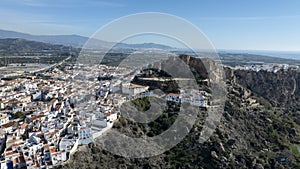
[133,89]
[3,118]
[173,97]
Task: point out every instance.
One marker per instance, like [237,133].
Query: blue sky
[229,24]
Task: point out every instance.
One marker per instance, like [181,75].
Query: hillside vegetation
[259,129]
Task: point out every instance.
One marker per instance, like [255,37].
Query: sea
[280,54]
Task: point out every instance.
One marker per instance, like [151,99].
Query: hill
[25,51]
[76,41]
[22,47]
[259,128]
[68,40]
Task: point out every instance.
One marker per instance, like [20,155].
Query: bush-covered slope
[260,126]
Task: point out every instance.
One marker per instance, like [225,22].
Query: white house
[112,117]
[173,97]
[85,135]
[58,157]
[133,89]
[37,95]
[3,118]
[9,127]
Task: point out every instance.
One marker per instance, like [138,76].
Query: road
[16,74]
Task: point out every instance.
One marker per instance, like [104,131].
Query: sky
[228,24]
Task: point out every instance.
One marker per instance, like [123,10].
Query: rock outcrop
[260,125]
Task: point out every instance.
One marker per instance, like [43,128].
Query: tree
[20,115]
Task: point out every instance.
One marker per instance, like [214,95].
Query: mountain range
[77,41]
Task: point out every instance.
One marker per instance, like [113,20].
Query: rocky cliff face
[280,89]
[260,126]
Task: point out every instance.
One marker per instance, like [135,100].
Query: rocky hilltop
[279,89]
[259,129]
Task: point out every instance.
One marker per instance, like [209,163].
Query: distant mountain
[281,54]
[234,59]
[77,41]
[22,47]
[143,46]
[67,40]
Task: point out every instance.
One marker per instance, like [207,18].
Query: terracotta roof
[15,161]
[50,133]
[40,134]
[52,149]
[24,125]
[16,144]
[36,117]
[173,94]
[10,124]
[55,153]
[10,153]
